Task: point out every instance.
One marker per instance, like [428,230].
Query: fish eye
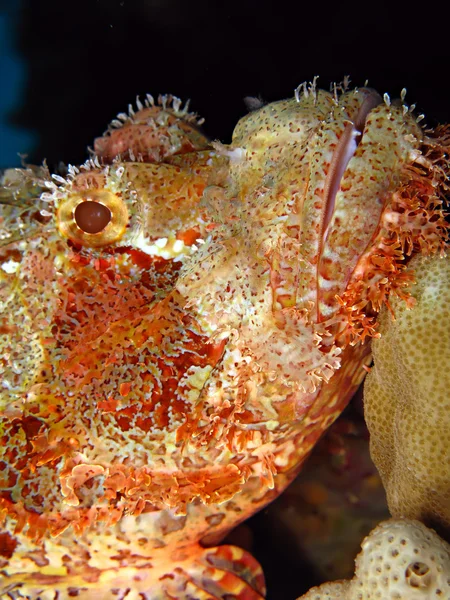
[92,218]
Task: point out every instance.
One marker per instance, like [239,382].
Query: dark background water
[68,67]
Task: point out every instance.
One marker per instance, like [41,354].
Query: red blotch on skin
[109,405]
[125,388]
[189,236]
[7,545]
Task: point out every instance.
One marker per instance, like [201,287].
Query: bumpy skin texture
[406,397]
[166,376]
[399,560]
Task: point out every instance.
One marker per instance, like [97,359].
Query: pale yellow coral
[407,405]
[401,560]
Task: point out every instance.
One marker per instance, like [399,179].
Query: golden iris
[93,218]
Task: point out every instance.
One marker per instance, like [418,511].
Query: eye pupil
[92,217]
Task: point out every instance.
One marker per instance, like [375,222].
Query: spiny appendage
[413,221]
[310,88]
[17,186]
[23,211]
[195,572]
[154,132]
[226,570]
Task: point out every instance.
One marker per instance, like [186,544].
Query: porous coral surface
[406,397]
[399,560]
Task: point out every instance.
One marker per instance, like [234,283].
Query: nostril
[92,217]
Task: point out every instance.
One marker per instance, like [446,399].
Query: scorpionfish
[181,320]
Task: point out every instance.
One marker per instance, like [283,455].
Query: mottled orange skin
[167,376]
